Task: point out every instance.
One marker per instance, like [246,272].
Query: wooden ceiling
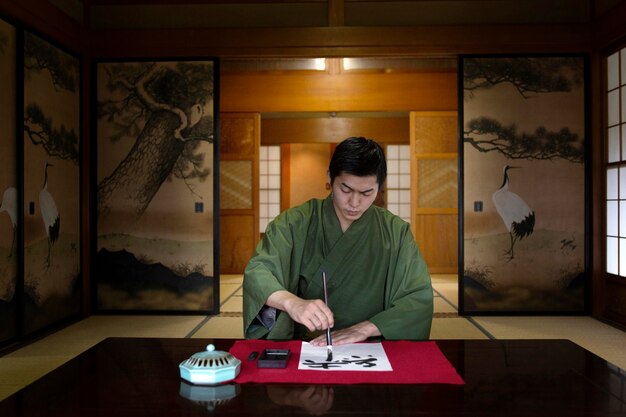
[116,14]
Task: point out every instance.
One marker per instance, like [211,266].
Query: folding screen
[51,170]
[156,192]
[8,185]
[523,216]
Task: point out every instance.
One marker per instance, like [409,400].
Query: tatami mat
[25,365]
[443,306]
[449,292]
[455,328]
[232,305]
[227,290]
[231,279]
[224,327]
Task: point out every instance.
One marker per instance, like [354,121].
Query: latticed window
[616,163]
[269,185]
[399,180]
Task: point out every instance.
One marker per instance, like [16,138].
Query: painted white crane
[518,218]
[49,213]
[9,204]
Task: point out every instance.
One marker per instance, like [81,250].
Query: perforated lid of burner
[210,367]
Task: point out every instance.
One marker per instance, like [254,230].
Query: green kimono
[374,271]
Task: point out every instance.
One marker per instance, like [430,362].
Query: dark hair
[359,156]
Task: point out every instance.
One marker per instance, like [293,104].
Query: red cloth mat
[412,363]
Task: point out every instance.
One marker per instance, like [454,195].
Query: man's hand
[313,314]
[353,334]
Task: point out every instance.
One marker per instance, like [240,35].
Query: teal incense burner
[210,367]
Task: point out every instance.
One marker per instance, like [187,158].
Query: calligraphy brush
[329,340]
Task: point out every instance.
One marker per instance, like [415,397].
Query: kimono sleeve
[408,309]
[266,273]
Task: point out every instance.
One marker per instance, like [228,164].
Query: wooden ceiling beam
[342,41]
[274,93]
[186,2]
[336,13]
[333,130]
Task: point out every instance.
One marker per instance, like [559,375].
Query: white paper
[350,357]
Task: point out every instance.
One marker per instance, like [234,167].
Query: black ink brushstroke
[368,362]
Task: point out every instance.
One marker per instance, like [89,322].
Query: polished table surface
[140,377]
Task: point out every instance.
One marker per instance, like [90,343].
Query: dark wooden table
[140,377]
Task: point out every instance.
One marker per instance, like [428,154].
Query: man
[378,283]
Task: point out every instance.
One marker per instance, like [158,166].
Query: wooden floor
[25,365]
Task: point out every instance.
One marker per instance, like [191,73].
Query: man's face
[352,195]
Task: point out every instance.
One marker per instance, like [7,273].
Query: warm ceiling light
[320,64]
[348,64]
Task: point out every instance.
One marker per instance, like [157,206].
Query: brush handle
[329,340]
